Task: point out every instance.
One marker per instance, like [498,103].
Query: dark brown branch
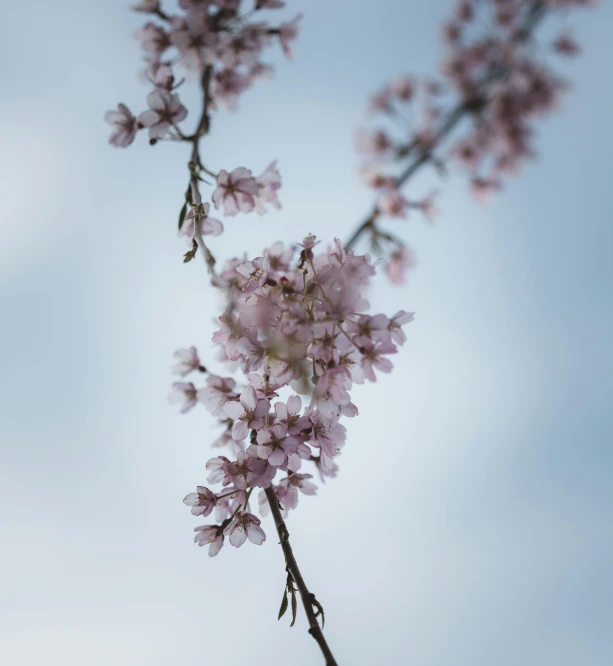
[194,165]
[308,598]
[535,15]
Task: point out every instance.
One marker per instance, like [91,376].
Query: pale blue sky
[471,521]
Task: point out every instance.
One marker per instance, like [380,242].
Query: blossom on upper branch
[185,393]
[213,36]
[187,360]
[217,392]
[481,113]
[165,110]
[236,191]
[400,261]
[126,126]
[394,204]
[153,38]
[287,33]
[268,182]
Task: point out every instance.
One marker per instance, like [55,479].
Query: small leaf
[188,256]
[182,215]
[283,605]
[294,607]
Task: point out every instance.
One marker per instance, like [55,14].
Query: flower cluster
[236,192]
[215,42]
[294,322]
[495,83]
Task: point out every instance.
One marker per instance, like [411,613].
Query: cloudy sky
[471,521]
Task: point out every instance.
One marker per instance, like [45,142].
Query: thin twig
[201,130]
[308,598]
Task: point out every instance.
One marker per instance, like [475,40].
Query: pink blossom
[375,144]
[331,393]
[374,177]
[154,39]
[216,393]
[268,182]
[374,355]
[396,323]
[403,87]
[287,493]
[203,501]
[194,40]
[228,84]
[242,48]
[187,360]
[260,71]
[236,191]
[483,187]
[248,470]
[381,100]
[209,534]
[161,75]
[327,434]
[467,154]
[368,329]
[287,33]
[184,393]
[255,271]
[235,337]
[400,261]
[218,470]
[566,45]
[288,413]
[279,449]
[247,414]
[165,111]
[264,388]
[245,526]
[428,206]
[394,204]
[464,11]
[126,126]
[225,441]
[279,257]
[287,490]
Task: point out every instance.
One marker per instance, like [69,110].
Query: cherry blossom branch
[302,321]
[369,223]
[534,16]
[308,598]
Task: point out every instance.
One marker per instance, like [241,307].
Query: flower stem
[308,598]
